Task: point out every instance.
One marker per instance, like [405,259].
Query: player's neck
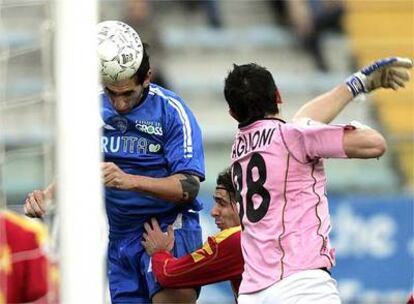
[142,97]
[278,116]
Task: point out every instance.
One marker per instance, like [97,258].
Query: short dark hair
[224,181]
[250,92]
[144,67]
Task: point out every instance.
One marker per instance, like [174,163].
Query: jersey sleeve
[219,259]
[315,140]
[183,141]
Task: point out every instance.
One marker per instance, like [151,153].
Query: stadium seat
[372,38]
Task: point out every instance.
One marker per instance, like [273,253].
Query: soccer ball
[120,51]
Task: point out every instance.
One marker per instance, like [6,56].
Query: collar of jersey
[250,122]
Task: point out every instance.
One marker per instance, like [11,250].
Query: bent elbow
[165,282]
[379,146]
[190,196]
[190,186]
[161,280]
[364,143]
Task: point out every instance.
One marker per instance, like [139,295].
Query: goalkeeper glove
[384,73]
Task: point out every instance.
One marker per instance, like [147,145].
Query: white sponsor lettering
[353,291]
[127,144]
[410,247]
[149,127]
[360,236]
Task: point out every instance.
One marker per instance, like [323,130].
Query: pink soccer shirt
[281,187]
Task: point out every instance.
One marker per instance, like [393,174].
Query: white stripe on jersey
[188,142]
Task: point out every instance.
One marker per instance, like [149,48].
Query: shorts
[129,267]
[304,287]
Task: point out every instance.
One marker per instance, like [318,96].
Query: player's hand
[390,72]
[114,177]
[35,204]
[155,240]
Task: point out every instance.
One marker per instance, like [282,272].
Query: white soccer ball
[120,51]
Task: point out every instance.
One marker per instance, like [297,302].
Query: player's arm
[315,140]
[363,142]
[385,73]
[218,260]
[37,201]
[177,188]
[327,106]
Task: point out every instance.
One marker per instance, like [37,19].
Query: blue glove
[384,73]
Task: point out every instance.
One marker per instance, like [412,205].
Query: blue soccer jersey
[158,138]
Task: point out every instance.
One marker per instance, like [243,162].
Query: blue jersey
[158,138]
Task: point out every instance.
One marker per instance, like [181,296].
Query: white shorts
[305,287]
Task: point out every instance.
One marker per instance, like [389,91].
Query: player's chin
[123,111]
[219,225]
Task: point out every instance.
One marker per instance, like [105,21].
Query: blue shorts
[129,269]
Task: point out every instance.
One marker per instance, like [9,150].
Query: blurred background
[309,45]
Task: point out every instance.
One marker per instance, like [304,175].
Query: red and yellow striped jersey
[218,260]
[23,264]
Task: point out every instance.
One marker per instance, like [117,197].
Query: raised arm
[327,106]
[177,188]
[385,73]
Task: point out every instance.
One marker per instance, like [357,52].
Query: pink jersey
[281,185]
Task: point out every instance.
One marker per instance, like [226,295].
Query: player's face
[224,211]
[125,95]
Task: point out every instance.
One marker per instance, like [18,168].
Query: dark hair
[250,92]
[143,69]
[225,182]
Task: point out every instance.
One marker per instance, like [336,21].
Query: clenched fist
[35,204]
[116,178]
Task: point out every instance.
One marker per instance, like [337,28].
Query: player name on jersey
[246,143]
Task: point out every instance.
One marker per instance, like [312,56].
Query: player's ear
[278,98]
[147,79]
[233,114]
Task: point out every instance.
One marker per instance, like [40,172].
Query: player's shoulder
[170,99]
[305,122]
[101,93]
[173,104]
[227,238]
[227,234]
[163,93]
[301,127]
[293,135]
[104,99]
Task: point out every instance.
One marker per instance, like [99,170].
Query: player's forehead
[221,194]
[121,86]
